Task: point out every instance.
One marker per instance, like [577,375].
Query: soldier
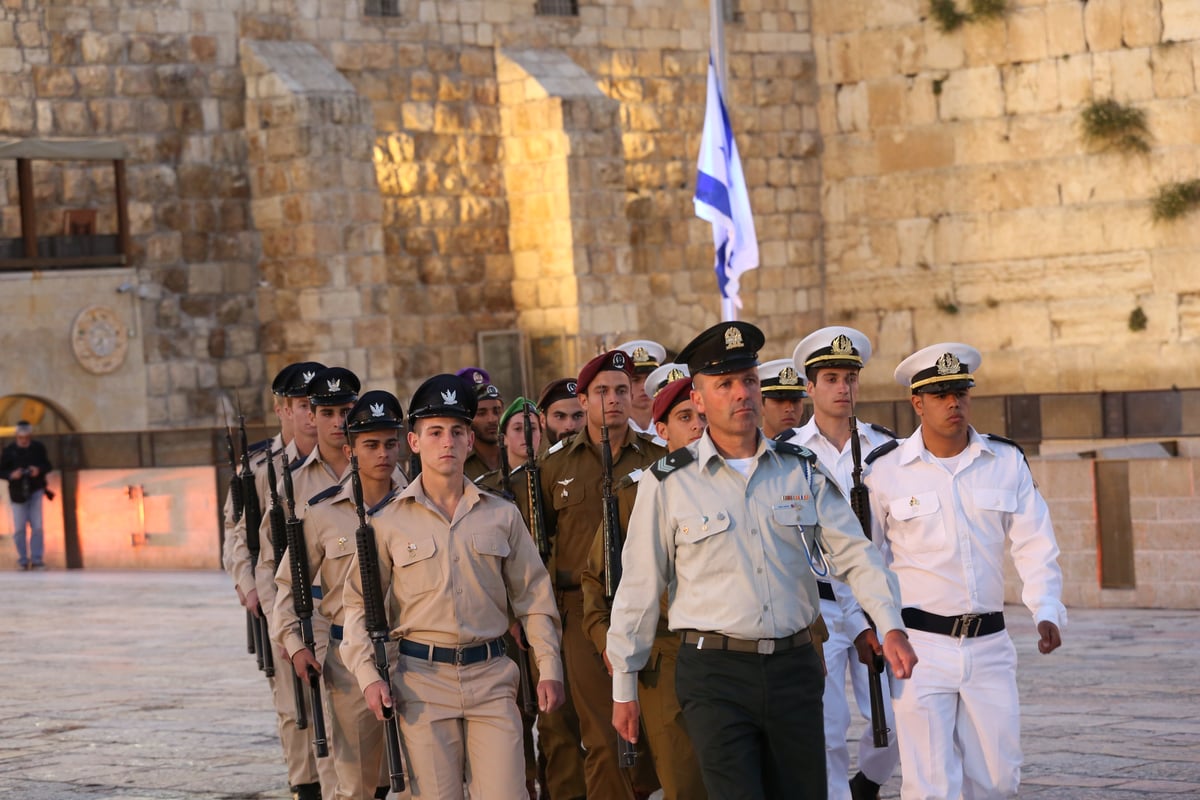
[677,423]
[657,380]
[571,475]
[485,456]
[453,560]
[561,413]
[946,498]
[647,356]
[783,397]
[726,524]
[831,359]
[373,435]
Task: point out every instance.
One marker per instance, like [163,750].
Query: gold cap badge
[788,377]
[733,339]
[841,345]
[948,364]
[640,354]
[675,375]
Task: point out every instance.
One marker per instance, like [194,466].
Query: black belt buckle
[966,626]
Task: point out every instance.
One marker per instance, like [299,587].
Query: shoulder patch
[554,448]
[795,450]
[884,430]
[996,438]
[325,495]
[783,436]
[881,451]
[629,480]
[298,463]
[257,446]
[671,462]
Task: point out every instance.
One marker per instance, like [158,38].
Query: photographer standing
[24,465]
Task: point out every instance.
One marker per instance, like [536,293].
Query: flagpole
[716,15]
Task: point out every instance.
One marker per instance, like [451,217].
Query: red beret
[670,396]
[612,361]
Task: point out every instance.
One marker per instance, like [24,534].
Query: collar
[415,491]
[706,449]
[632,439]
[913,447]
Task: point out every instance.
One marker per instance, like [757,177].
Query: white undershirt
[742,465]
[951,463]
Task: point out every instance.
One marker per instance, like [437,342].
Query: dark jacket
[13,457]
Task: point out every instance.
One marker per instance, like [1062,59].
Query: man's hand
[240,594]
[34,472]
[1051,638]
[551,695]
[303,661]
[868,646]
[250,601]
[625,720]
[607,663]
[899,654]
[379,697]
[518,635]
[15,475]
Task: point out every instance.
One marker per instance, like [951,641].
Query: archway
[44,415]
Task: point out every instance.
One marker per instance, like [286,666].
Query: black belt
[459,656]
[335,631]
[964,626]
[715,641]
[825,589]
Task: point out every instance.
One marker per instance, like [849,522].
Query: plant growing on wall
[1110,125]
[1176,199]
[948,17]
[1137,320]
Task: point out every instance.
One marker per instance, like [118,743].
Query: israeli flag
[722,199]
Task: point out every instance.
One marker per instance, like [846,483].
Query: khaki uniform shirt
[572,491]
[451,582]
[475,467]
[329,530]
[239,552]
[731,552]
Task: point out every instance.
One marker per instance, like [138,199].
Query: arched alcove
[45,416]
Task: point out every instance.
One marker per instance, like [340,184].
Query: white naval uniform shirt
[945,533]
[840,465]
[728,550]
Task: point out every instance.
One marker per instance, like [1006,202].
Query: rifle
[279,543]
[303,603]
[525,686]
[860,503]
[533,482]
[235,497]
[610,520]
[377,624]
[505,470]
[252,516]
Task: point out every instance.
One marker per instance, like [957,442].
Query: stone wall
[960,202]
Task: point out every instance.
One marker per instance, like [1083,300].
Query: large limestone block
[972,94]
[1027,39]
[1064,28]
[1141,22]
[1102,21]
[1181,20]
[1030,88]
[1173,71]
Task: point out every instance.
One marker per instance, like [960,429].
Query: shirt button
[721,515]
[760,570]
[458,591]
[456,558]
[754,531]
[765,608]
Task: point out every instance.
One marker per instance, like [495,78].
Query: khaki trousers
[302,763]
[356,737]
[461,724]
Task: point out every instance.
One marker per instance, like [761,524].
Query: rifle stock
[302,602]
[610,519]
[376,621]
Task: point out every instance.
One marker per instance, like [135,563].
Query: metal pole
[717,52]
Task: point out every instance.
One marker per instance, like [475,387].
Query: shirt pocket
[566,496]
[994,509]
[795,513]
[916,523]
[490,550]
[419,571]
[695,529]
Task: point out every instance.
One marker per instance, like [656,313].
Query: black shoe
[307,791]
[38,566]
[23,567]
[863,788]
[381,792]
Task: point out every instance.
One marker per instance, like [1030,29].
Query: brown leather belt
[715,641]
[566,579]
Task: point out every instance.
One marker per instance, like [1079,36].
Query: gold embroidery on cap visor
[844,357]
[955,378]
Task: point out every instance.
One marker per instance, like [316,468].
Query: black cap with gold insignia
[375,410]
[779,378]
[725,347]
[443,396]
[333,386]
[299,376]
[944,367]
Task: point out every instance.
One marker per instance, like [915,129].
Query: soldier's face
[329,424]
[563,418]
[514,437]
[637,393]
[443,444]
[834,392]
[684,425]
[732,403]
[487,420]
[378,453]
[304,420]
[607,399]
[946,415]
[781,413]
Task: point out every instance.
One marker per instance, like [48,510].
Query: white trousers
[878,764]
[959,719]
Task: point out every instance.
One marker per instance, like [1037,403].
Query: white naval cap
[942,367]
[835,346]
[779,378]
[646,354]
[665,374]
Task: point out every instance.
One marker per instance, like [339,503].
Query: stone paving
[137,685]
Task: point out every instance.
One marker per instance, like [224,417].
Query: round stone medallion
[99,339]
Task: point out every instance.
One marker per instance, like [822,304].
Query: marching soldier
[571,477]
[485,455]
[782,397]
[733,525]
[678,423]
[453,561]
[647,356]
[831,359]
[373,435]
[561,413]
[946,498]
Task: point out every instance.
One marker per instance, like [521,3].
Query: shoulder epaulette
[554,448]
[671,462]
[787,448]
[996,438]
[295,464]
[881,451]
[325,495]
[261,445]
[629,480]
[884,430]
[784,435]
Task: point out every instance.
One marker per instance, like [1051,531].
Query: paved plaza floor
[138,685]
